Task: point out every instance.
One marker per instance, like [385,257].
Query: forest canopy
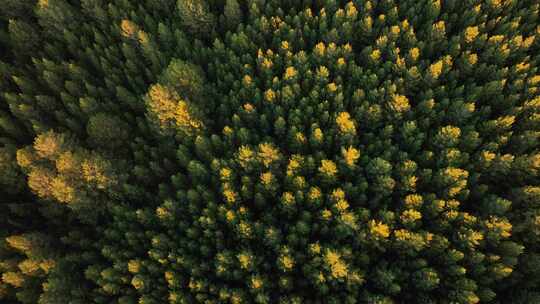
[269,151]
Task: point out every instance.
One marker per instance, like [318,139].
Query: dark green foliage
[269,151]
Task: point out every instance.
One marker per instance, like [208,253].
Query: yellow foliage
[475,237]
[472,58]
[351,10]
[225,174]
[29,266]
[169,107]
[318,134]
[323,72]
[326,214]
[528,41]
[269,95]
[288,198]
[244,229]
[345,124]
[94,172]
[328,168]
[294,164]
[375,55]
[286,261]
[381,42]
[522,66]
[300,137]
[410,215]
[169,277]
[332,87]
[230,196]
[450,132]
[47,265]
[400,62]
[230,216]
[256,282]
[184,118]
[349,218]
[134,266]
[410,181]
[436,69]
[163,213]
[25,158]
[236,298]
[137,282]
[39,180]
[439,27]
[338,194]
[321,277]
[245,260]
[488,156]
[402,235]
[290,72]
[496,38]
[379,229]
[15,279]
[227,130]
[62,191]
[411,238]
[342,205]
[400,103]
[245,155]
[500,225]
[505,49]
[49,144]
[471,33]
[68,162]
[268,153]
[506,121]
[129,29]
[143,37]
[267,178]
[314,193]
[497,3]
[456,173]
[350,155]
[19,242]
[413,201]
[43,3]
[267,63]
[338,268]
[247,80]
[315,248]
[368,22]
[320,49]
[300,182]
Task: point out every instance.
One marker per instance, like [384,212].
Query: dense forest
[269,151]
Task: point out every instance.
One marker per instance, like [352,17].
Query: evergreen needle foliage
[269,151]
